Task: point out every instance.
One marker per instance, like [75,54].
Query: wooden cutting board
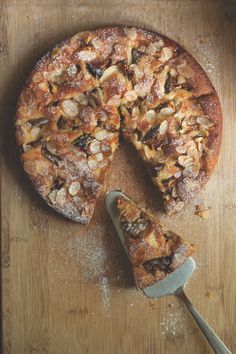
[67,288]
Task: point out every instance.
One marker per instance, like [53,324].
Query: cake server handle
[215,342]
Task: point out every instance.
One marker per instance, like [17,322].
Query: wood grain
[68,288]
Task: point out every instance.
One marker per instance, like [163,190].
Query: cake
[99,84]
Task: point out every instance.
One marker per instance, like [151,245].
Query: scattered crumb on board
[202,211]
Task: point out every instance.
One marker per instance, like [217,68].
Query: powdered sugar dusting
[89,253]
[176,322]
[106,293]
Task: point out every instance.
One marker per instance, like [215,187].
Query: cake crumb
[202,211]
[208,293]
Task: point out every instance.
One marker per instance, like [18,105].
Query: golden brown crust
[154,251]
[69,112]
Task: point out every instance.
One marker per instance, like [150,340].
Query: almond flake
[181,80]
[37,77]
[52,196]
[166,54]
[81,99]
[185,161]
[167,111]
[74,188]
[154,47]
[173,72]
[86,55]
[130,33]
[150,115]
[70,108]
[185,70]
[131,95]
[163,127]
[35,132]
[108,72]
[26,147]
[92,163]
[103,135]
[114,101]
[99,157]
[178,174]
[205,122]
[159,44]
[180,149]
[149,153]
[61,196]
[94,146]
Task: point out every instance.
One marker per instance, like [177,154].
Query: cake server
[173,284]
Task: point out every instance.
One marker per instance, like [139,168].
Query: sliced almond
[37,77]
[178,174]
[52,196]
[154,47]
[130,33]
[150,115]
[192,151]
[149,153]
[181,149]
[114,101]
[185,161]
[43,86]
[163,127]
[30,167]
[61,196]
[26,147]
[74,188]
[174,192]
[167,111]
[94,146]
[205,122]
[70,108]
[159,44]
[173,72]
[95,161]
[92,163]
[36,167]
[86,55]
[81,99]
[166,54]
[130,96]
[103,135]
[135,112]
[181,80]
[35,133]
[185,70]
[108,73]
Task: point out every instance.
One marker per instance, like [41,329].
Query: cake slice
[154,251]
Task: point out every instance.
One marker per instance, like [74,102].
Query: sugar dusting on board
[88,250]
[176,322]
[106,293]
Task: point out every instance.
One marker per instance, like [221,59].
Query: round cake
[99,84]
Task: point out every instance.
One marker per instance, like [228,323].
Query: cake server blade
[173,284]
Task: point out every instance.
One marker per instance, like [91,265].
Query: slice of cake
[154,250]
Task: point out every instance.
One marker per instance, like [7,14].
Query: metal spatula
[173,284]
